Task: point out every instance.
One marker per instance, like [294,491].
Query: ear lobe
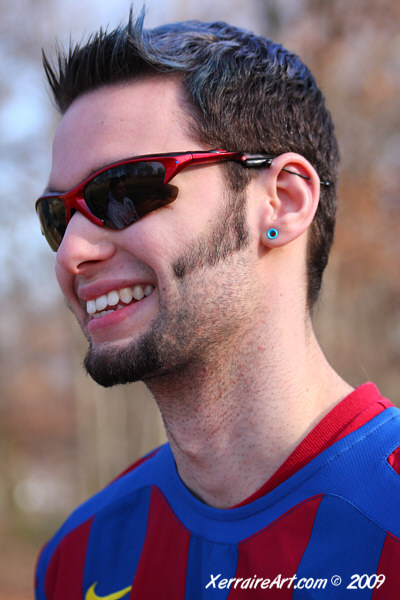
[292,200]
[270,236]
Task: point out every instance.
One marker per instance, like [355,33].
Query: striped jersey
[329,530]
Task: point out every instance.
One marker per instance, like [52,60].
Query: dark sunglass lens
[51,213]
[122,195]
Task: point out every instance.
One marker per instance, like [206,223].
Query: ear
[291,196]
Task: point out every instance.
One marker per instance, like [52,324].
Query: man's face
[119,191]
[188,264]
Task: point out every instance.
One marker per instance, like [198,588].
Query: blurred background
[61,436]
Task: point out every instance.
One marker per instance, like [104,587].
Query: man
[278,478]
[120,209]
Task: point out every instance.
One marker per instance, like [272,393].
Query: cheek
[66,283]
[157,238]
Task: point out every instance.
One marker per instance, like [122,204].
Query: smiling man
[278,475]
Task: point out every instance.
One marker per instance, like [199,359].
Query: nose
[83,244]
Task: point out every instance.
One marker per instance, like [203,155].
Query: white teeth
[138,292]
[91,307]
[96,307]
[101,303]
[126,295]
[112,298]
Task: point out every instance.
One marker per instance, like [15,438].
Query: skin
[242,378]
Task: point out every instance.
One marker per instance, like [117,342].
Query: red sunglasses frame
[173,164]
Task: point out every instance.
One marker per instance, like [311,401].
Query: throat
[223,453]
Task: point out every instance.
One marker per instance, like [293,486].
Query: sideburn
[228,234]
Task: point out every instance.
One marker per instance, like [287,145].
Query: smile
[116,299]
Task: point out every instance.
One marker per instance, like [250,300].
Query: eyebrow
[49,190]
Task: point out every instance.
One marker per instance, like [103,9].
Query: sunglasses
[123,192]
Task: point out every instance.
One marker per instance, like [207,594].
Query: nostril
[84,245]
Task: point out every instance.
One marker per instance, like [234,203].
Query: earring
[272,233]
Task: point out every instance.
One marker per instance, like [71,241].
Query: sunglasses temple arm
[266,161]
[256,162]
[324,183]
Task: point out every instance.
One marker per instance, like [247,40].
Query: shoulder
[358,469]
[132,485]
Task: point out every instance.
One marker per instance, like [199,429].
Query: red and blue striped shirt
[332,510]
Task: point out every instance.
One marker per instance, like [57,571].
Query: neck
[240,413]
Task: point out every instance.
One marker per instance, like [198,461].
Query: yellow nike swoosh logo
[91,594]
